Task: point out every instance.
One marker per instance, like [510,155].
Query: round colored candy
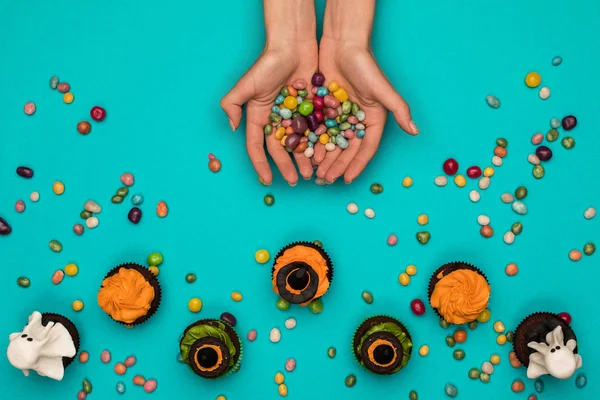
[134,215]
[533,79]
[474,172]
[262,256]
[214,165]
[544,153]
[63,87]
[68,98]
[318,79]
[565,317]
[417,307]
[569,122]
[195,305]
[229,318]
[450,166]
[84,127]
[29,108]
[305,108]
[98,113]
[155,259]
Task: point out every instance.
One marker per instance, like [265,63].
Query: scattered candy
[279,378]
[460,181]
[53,82]
[568,142]
[154,270]
[417,307]
[474,196]
[269,200]
[58,276]
[501,339]
[58,188]
[412,395]
[283,304]
[511,269]
[486,231]
[77,305]
[513,360]
[509,237]
[538,172]
[404,279]
[81,395]
[451,390]
[236,296]
[483,220]
[484,183]
[92,207]
[190,278]
[275,335]
[474,172]
[367,297]
[20,206]
[84,127]
[444,324]
[423,237]
[137,199]
[63,87]
[290,323]
[376,188]
[316,306]
[589,213]
[552,135]
[92,222]
[130,361]
[195,305]
[135,215]
[458,354]
[484,316]
[87,386]
[370,213]
[450,166]
[98,113]
[252,334]
[422,219]
[331,352]
[474,373]
[71,269]
[23,282]
[155,258]
[116,199]
[533,159]
[580,380]
[68,98]
[120,387]
[495,360]
[460,336]
[589,249]
[139,380]
[537,138]
[350,380]
[55,246]
[411,270]
[544,93]
[407,182]
[517,386]
[290,365]
[483,377]
[127,179]
[214,165]
[25,172]
[519,207]
[229,319]
[533,79]
[499,327]
[556,61]
[424,350]
[352,208]
[575,255]
[84,356]
[29,108]
[450,341]
[441,181]
[150,385]
[497,161]
[392,240]
[120,368]
[105,356]
[262,256]
[492,101]
[516,228]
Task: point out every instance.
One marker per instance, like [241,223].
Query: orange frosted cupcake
[459,292]
[130,294]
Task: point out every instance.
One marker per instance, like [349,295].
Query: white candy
[320,181]
[275,335]
[533,159]
[484,183]
[92,207]
[519,207]
[330,147]
[507,198]
[497,161]
[290,323]
[370,213]
[544,93]
[34,196]
[487,367]
[474,196]
[509,237]
[92,222]
[441,181]
[309,152]
[483,220]
[352,208]
[589,213]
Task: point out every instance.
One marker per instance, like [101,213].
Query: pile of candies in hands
[330,118]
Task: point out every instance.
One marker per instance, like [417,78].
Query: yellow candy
[58,188]
[423,219]
[282,141]
[280,133]
[489,171]
[77,305]
[195,304]
[68,98]
[333,86]
[407,182]
[341,95]
[499,326]
[279,378]
[71,269]
[424,350]
[262,256]
[404,279]
[460,181]
[495,359]
[290,102]
[324,138]
[282,390]
[236,296]
[411,270]
[306,132]
[154,270]
[484,316]
[533,79]
[338,119]
[501,340]
[221,397]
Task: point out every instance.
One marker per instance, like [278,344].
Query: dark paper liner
[237,343]
[364,327]
[448,268]
[149,276]
[534,328]
[70,326]
[313,246]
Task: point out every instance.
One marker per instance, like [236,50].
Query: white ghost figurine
[41,348]
[555,358]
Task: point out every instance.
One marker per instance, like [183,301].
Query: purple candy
[5,228]
[292,141]
[299,124]
[318,79]
[229,318]
[135,215]
[313,122]
[25,172]
[543,153]
[569,122]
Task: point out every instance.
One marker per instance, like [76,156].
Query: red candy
[98,113]
[474,172]
[417,307]
[450,166]
[318,103]
[565,316]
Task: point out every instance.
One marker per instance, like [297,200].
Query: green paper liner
[362,328]
[448,268]
[532,322]
[237,343]
[71,328]
[313,246]
[151,279]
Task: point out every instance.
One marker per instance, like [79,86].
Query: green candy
[333,131]
[510,336]
[474,373]
[450,341]
[274,117]
[552,135]
[501,142]
[521,192]
[347,107]
[350,381]
[55,246]
[285,92]
[367,297]
[331,352]
[23,282]
[87,386]
[155,259]
[483,377]
[54,82]
[472,325]
[589,249]
[423,237]
[282,304]
[269,200]
[116,199]
[345,125]
[268,129]
[458,354]
[295,114]
[355,108]
[444,324]
[190,278]
[305,108]
[85,214]
[318,243]
[538,171]
[568,142]
[517,228]
[376,188]
[492,101]
[303,93]
[316,306]
[413,395]
[122,192]
[450,389]
[344,117]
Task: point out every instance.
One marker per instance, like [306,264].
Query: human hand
[291,53]
[345,57]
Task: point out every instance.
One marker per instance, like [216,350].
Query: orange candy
[500,151]
[214,165]
[84,357]
[575,255]
[511,269]
[460,336]
[120,368]
[162,209]
[289,130]
[293,91]
[139,380]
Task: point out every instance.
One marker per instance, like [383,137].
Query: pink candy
[314,90]
[252,334]
[299,84]
[392,240]
[81,395]
[349,134]
[29,108]
[537,138]
[286,122]
[211,156]
[331,113]
[353,120]
[331,101]
[290,365]
[320,130]
[130,361]
[127,179]
[105,356]
[150,385]
[20,206]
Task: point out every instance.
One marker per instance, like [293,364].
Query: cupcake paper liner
[71,328]
[149,276]
[450,267]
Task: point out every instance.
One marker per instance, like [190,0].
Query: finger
[343,161]
[367,150]
[233,101]
[304,165]
[282,160]
[389,97]
[328,162]
[320,153]
[255,141]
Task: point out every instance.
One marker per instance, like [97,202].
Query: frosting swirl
[460,296]
[126,295]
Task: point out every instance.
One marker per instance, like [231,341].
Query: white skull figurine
[555,358]
[41,348]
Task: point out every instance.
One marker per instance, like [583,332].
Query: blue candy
[285,113]
[322,91]
[360,133]
[312,137]
[275,109]
[330,123]
[279,99]
[341,141]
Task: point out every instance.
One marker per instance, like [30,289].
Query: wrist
[290,24]
[348,23]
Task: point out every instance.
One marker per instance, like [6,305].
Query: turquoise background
[160,68]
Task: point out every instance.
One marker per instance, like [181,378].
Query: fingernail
[413,127]
[292,184]
[330,183]
[231,124]
[348,182]
[307,179]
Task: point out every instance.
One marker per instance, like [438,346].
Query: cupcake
[458,292]
[130,294]
[47,345]
[211,348]
[546,345]
[382,345]
[302,273]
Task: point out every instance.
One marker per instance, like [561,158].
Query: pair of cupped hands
[354,68]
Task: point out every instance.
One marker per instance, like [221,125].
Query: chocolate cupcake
[547,345]
[458,292]
[130,294]
[211,348]
[302,273]
[382,345]
[48,344]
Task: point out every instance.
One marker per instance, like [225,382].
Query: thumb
[397,106]
[233,101]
